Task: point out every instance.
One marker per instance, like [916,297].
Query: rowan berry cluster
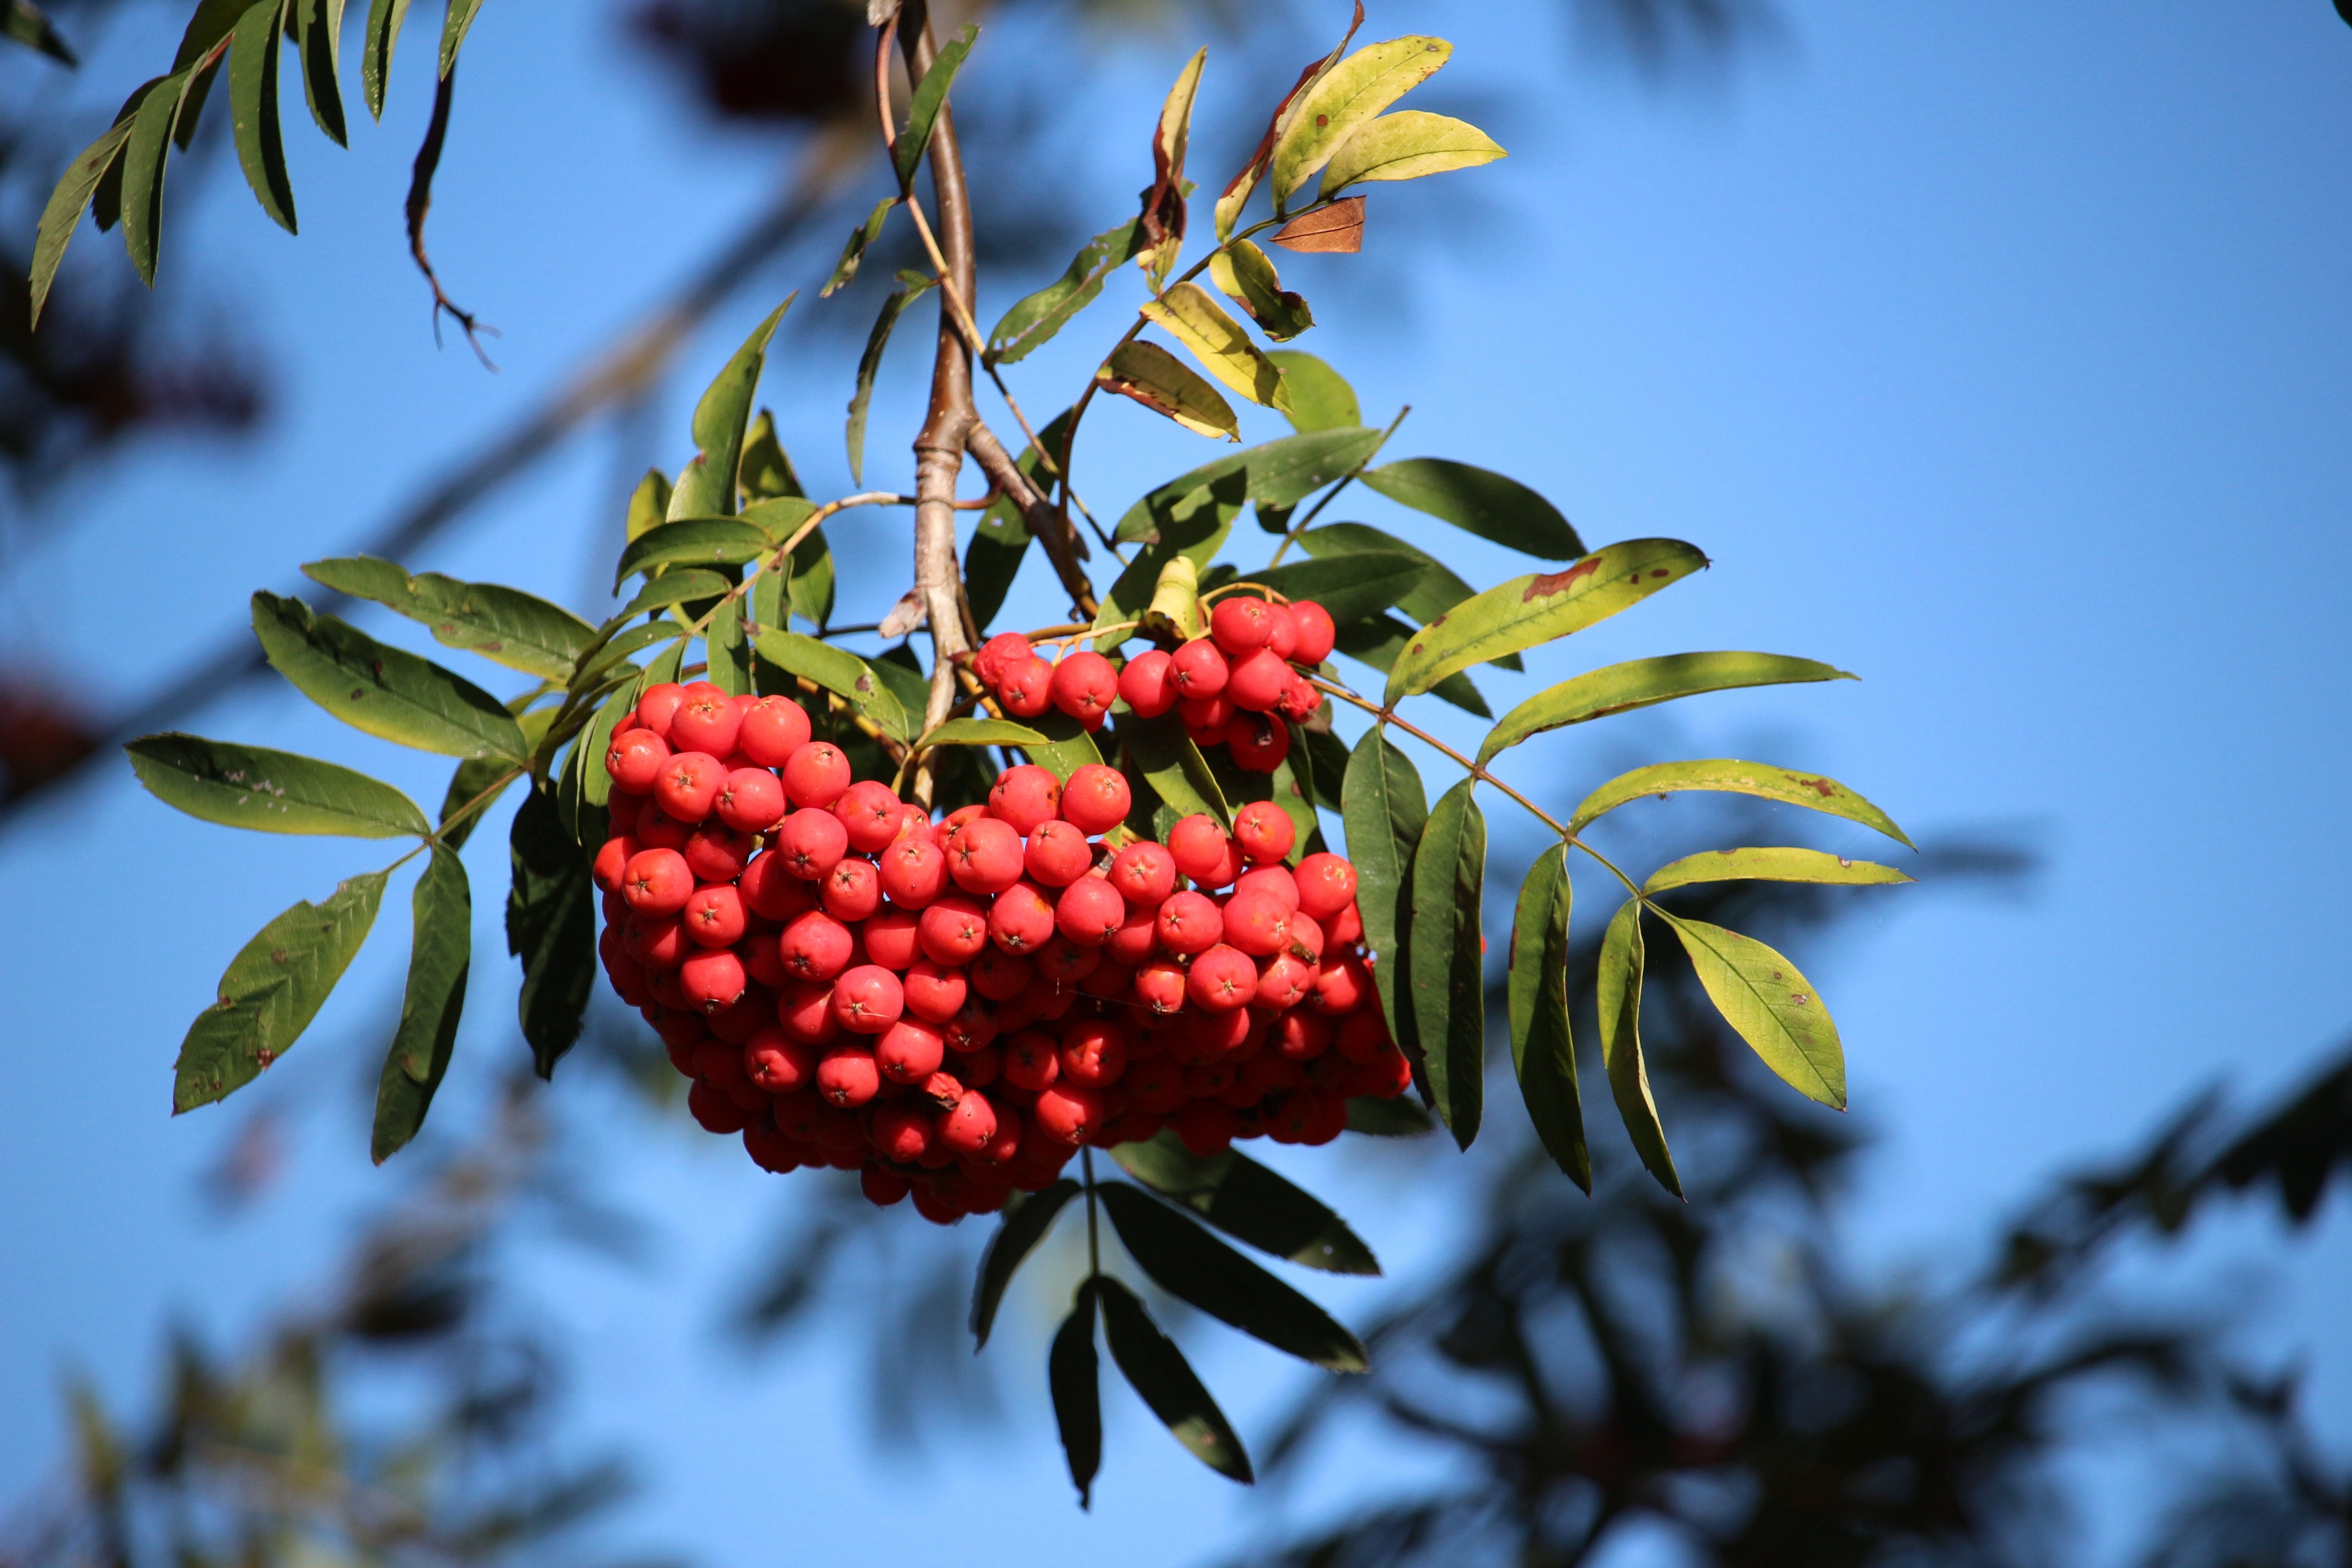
[954,1007]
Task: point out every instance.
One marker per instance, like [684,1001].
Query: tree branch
[1050,526]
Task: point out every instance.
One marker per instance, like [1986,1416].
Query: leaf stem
[433,839]
[1346,479]
[1094,1240]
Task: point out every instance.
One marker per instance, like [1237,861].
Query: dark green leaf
[1024,1224]
[1192,526]
[839,671]
[270,792]
[1245,1200]
[384,22]
[1527,610]
[723,415]
[380,690]
[74,191]
[442,952]
[1387,1118]
[1195,1266]
[1621,687]
[1036,318]
[1541,1049]
[1619,989]
[271,991]
[902,671]
[979,733]
[1770,865]
[1158,1371]
[677,586]
[552,927]
[1070,1373]
[911,286]
[1439,590]
[1329,759]
[460,17]
[1067,747]
[1445,957]
[143,173]
[587,788]
[811,591]
[465,785]
[503,624]
[1001,542]
[767,469]
[923,106]
[1174,765]
[1276,473]
[21,22]
[1380,641]
[728,655]
[1775,1008]
[1480,501]
[260,134]
[1384,810]
[1351,587]
[1729,775]
[319,32]
[852,252]
[694,541]
[1319,398]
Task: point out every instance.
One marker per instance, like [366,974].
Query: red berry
[805,1012]
[1148,684]
[1199,848]
[658,705]
[1144,873]
[847,1076]
[867,999]
[882,1188]
[1187,923]
[774,728]
[1256,923]
[953,930]
[1094,1053]
[1306,938]
[711,980]
[1160,986]
[1206,719]
[612,860]
[634,761]
[1062,962]
[1027,689]
[999,976]
[1345,929]
[687,785]
[1137,938]
[1096,798]
[1206,1127]
[1083,685]
[772,891]
[1362,1035]
[1025,795]
[713,916]
[934,992]
[1089,910]
[658,829]
[752,800]
[1257,743]
[814,946]
[657,881]
[1300,701]
[1006,650]
[910,1050]
[892,938]
[1302,1036]
[1156,1086]
[944,831]
[714,1111]
[1258,680]
[1058,854]
[1021,919]
[852,890]
[985,857]
[1327,884]
[718,853]
[777,1062]
[1283,981]
[812,843]
[1221,980]
[1032,1060]
[914,872]
[1197,669]
[815,775]
[1241,624]
[872,812]
[970,1127]
[1284,639]
[657,941]
[1067,1114]
[1275,879]
[707,719]
[1341,986]
[1311,624]
[1265,832]
[973,1027]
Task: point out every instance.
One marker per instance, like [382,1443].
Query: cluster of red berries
[1231,689]
[955,1007]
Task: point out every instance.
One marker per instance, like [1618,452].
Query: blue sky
[1997,352]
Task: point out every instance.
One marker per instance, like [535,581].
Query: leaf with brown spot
[1165,384]
[1334,230]
[1774,1007]
[1731,776]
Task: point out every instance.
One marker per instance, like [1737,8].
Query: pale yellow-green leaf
[1358,89]
[1195,319]
[1405,146]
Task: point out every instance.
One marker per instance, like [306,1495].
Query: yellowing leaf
[1730,776]
[1352,93]
[1195,319]
[1405,146]
[1164,384]
[1247,278]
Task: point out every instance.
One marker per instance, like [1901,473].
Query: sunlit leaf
[1273,473]
[839,671]
[979,733]
[270,792]
[694,542]
[1541,1049]
[384,22]
[1320,398]
[1619,988]
[1775,1008]
[253,105]
[1194,526]
[1245,275]
[1034,321]
[854,252]
[1067,745]
[1351,587]
[1781,864]
[1352,93]
[1638,683]
[382,691]
[1165,384]
[1192,317]
[144,163]
[1480,501]
[721,417]
[1729,775]
[74,191]
[505,625]
[442,909]
[454,24]
[1405,146]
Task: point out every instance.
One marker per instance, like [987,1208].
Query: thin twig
[420,202]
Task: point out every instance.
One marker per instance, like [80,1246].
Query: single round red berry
[1361,1035]
[1160,986]
[1284,635]
[892,938]
[1094,1053]
[772,891]
[1241,624]
[657,705]
[1199,848]
[713,916]
[658,829]
[1258,743]
[1315,632]
[1068,1114]
[774,728]
[1083,685]
[1221,980]
[1025,795]
[910,1050]
[1027,689]
[1327,884]
[1006,650]
[1258,680]
[634,761]
[914,872]
[657,941]
[1256,923]
[805,1012]
[1206,1127]
[751,801]
[814,946]
[1265,831]
[1148,684]
[1283,981]
[1088,910]
[870,810]
[985,857]
[934,992]
[1137,938]
[1302,1036]
[815,775]
[711,979]
[847,1076]
[777,1062]
[1299,700]
[1197,669]
[716,852]
[970,1127]
[953,930]
[973,1027]
[851,890]
[1275,879]
[1056,854]
[687,785]
[1341,986]
[812,843]
[1031,1060]
[1021,919]
[657,881]
[882,1188]
[1144,873]
[612,860]
[1062,962]
[1188,924]
[999,976]
[1096,799]
[706,720]
[867,999]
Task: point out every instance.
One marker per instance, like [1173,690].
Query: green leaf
[1071,1374]
[1194,526]
[1163,199]
[648,504]
[1165,384]
[1067,747]
[840,672]
[467,784]
[1445,955]
[1541,1048]
[1387,1118]
[1246,275]
[270,792]
[552,927]
[1024,1224]
[1639,683]
[1350,94]
[1174,765]
[979,733]
[1618,985]
[74,191]
[1439,590]
[1405,146]
[1770,865]
[1250,1203]
[1351,587]
[910,285]
[724,412]
[1380,641]
[1158,1371]
[271,991]
[1731,776]
[588,788]
[143,173]
[1193,1265]
[384,22]
[676,587]
[318,31]
[21,22]
[727,654]
[767,469]
[1191,315]
[1273,473]
[811,590]
[503,624]
[1320,399]
[253,96]
[443,950]
[460,17]
[1479,501]
[854,252]
[694,541]
[1035,320]
[902,671]
[1384,811]
[380,690]
[1528,611]
[1776,1009]
[930,97]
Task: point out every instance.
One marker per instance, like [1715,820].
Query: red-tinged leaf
[1336,229]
